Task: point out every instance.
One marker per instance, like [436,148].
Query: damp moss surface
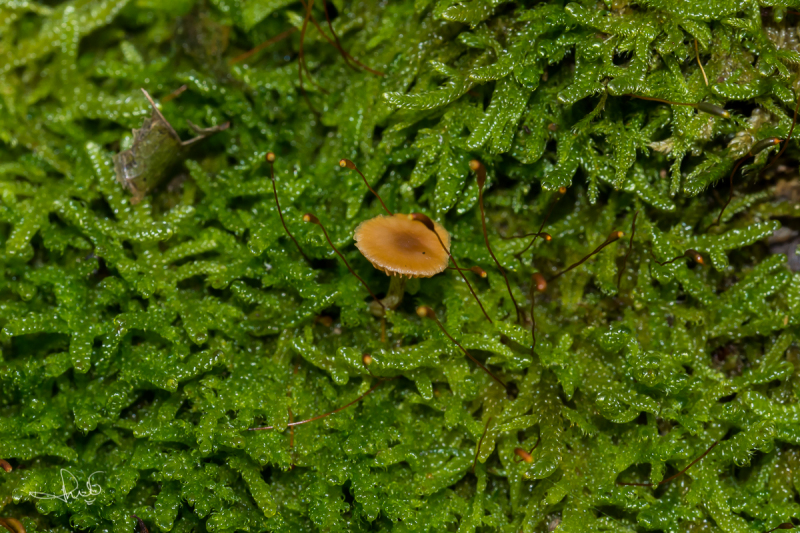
[140,341]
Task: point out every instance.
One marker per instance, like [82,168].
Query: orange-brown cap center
[403,247]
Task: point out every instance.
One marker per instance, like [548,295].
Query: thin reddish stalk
[650,98]
[527,456]
[312,419]
[427,312]
[691,254]
[560,194]
[670,478]
[615,235]
[538,284]
[425,219]
[788,138]
[308,217]
[697,56]
[301,57]
[352,166]
[271,159]
[630,249]
[478,449]
[281,36]
[480,170]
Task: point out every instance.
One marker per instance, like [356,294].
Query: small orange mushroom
[402,248]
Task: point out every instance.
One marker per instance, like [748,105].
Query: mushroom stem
[393,298]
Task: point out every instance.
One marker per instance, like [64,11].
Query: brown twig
[661,100]
[704,107]
[474,269]
[335,41]
[545,236]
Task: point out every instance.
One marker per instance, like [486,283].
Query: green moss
[143,340]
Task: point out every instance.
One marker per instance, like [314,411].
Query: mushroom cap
[400,246]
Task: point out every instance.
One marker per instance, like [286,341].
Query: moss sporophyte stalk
[589,214]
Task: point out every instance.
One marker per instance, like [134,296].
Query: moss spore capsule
[713,109]
[346,163]
[479,271]
[527,457]
[694,255]
[546,236]
[763,144]
[522,455]
[538,282]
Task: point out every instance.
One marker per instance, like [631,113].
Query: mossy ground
[143,340]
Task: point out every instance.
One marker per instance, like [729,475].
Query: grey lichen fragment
[156,149]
